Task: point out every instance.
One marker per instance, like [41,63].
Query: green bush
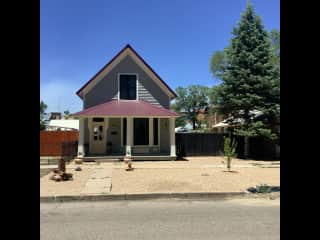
[230,147]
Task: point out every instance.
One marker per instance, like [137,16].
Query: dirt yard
[192,180]
[72,187]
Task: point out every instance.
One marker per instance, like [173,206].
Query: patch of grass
[262,188]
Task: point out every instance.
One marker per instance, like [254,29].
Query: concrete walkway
[99,182]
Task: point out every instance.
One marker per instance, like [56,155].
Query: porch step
[102,159]
[153,158]
[134,158]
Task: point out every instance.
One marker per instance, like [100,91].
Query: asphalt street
[161,219]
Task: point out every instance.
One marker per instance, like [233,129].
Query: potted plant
[127,160]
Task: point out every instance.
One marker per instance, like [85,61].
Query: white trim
[118,79]
[126,52]
[129,136]
[119,116]
[172,137]
[81,150]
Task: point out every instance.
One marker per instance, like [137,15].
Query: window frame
[137,79]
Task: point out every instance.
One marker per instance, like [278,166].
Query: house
[126,111]
[55,115]
[63,125]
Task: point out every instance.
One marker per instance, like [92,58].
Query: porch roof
[134,108]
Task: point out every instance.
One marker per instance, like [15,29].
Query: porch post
[81,138]
[172,137]
[129,136]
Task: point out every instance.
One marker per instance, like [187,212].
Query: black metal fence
[211,144]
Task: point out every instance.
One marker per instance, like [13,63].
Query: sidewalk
[195,177]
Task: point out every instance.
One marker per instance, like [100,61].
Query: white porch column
[172,137]
[81,138]
[129,136]
[150,132]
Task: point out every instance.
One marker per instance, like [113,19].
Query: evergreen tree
[249,79]
[43,108]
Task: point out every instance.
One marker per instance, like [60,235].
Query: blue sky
[176,38]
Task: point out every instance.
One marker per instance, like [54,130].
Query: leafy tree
[43,108]
[180,121]
[230,147]
[66,112]
[218,63]
[190,101]
[249,79]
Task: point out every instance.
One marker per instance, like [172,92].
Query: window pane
[155,131]
[128,87]
[98,119]
[141,131]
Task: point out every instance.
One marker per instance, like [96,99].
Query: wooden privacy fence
[211,144]
[58,143]
[199,144]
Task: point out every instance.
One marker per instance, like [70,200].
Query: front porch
[141,138]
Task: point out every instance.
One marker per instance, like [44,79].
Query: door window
[98,133]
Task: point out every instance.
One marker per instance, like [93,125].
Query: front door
[98,138]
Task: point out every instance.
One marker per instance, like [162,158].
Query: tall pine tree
[250,83]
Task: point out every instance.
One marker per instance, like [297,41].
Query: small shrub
[263,188]
[230,147]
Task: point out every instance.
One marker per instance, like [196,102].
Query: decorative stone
[78,169]
[57,178]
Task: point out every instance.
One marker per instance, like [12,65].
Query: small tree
[66,112]
[230,147]
[43,108]
[190,101]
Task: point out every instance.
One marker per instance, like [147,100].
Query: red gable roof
[127,46]
[136,108]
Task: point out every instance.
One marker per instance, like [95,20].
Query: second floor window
[128,86]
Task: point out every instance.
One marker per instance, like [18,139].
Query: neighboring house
[216,123]
[63,125]
[55,115]
[126,111]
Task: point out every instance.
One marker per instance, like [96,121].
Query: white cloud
[60,95]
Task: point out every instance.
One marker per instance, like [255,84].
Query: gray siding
[107,88]
[164,136]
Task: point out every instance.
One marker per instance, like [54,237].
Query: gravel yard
[196,174]
[72,187]
[192,180]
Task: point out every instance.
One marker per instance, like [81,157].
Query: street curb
[151,196]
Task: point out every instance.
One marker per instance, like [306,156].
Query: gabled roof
[129,49]
[119,108]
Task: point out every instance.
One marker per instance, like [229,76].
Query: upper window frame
[137,80]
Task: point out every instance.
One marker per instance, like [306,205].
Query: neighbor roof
[65,123]
[79,92]
[120,108]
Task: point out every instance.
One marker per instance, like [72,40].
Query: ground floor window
[155,131]
[141,131]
